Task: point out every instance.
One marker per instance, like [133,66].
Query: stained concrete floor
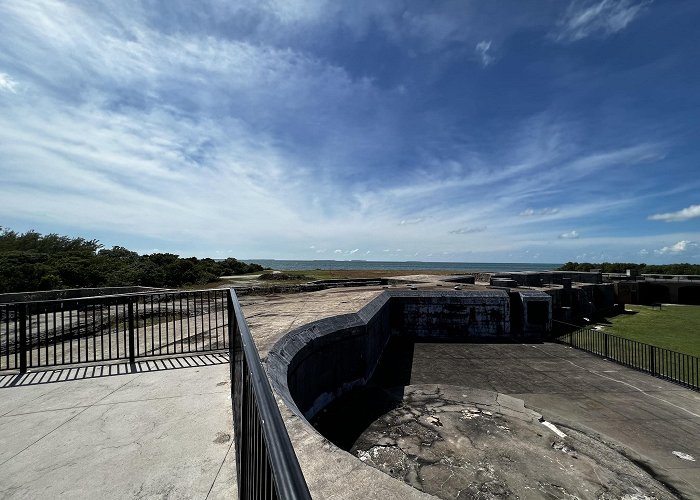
[651,417]
[160,429]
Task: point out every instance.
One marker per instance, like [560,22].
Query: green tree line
[621,267]
[31,261]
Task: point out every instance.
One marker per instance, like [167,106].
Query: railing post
[23,338]
[231,334]
[132,346]
[652,359]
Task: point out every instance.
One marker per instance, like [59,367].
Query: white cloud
[600,18]
[468,230]
[679,247]
[354,251]
[687,213]
[571,235]
[337,250]
[531,212]
[417,220]
[7,84]
[482,50]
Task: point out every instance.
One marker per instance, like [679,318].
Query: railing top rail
[288,476]
[98,298]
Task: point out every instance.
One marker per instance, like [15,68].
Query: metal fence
[119,327]
[266,465]
[675,366]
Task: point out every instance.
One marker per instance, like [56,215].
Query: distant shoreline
[363,265]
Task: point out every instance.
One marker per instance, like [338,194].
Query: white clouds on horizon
[679,247]
[684,214]
[602,18]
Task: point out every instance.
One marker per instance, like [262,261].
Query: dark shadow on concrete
[109,370]
[348,416]
[344,420]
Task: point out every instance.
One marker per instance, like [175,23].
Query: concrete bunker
[312,365]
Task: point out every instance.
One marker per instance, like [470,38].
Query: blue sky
[441,131]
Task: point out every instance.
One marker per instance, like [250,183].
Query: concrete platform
[160,429]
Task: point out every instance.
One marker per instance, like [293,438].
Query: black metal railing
[675,366]
[266,465]
[118,327]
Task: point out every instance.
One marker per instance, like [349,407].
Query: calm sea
[306,265]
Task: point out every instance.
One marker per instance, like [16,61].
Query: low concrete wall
[314,364]
[541,278]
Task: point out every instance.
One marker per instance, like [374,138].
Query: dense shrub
[32,261]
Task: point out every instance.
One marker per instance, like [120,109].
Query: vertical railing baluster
[209,320]
[182,331]
[160,332]
[22,338]
[132,342]
[153,340]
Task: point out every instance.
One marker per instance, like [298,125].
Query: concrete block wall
[454,316]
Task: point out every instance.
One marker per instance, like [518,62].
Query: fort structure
[411,387]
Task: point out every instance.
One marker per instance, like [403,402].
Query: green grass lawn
[674,327]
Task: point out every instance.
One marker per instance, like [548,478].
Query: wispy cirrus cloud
[468,230]
[684,214]
[571,235]
[7,84]
[531,212]
[408,222]
[259,127]
[483,51]
[599,18]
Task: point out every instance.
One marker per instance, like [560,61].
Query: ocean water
[307,265]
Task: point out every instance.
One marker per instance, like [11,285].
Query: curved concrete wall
[314,364]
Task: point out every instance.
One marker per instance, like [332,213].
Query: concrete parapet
[312,365]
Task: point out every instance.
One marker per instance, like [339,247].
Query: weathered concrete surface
[568,386]
[457,442]
[159,431]
[270,317]
[652,418]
